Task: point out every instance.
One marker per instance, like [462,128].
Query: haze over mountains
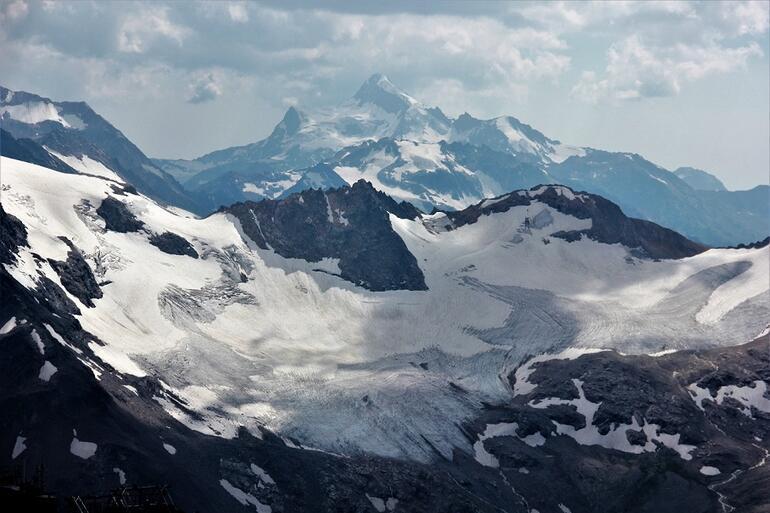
[409,150]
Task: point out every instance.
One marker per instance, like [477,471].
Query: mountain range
[416,153]
[339,350]
[377,308]
[408,150]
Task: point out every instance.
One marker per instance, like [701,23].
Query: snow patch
[616,438]
[561,152]
[169,448]
[522,385]
[250,187]
[748,396]
[121,475]
[18,447]
[501,429]
[34,112]
[117,359]
[131,389]
[262,474]
[80,448]
[662,353]
[61,340]
[38,341]
[8,326]
[244,498]
[709,471]
[46,371]
[383,505]
[86,165]
[560,189]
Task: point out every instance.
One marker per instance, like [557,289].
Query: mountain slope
[435,174]
[94,431]
[28,150]
[249,350]
[648,191]
[74,133]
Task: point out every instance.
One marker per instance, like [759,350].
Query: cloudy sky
[681,83]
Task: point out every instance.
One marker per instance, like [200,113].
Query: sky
[681,83]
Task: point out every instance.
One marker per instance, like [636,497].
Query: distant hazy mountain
[405,148]
[416,153]
[378,110]
[699,179]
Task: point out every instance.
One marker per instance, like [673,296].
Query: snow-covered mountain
[378,110]
[342,350]
[510,135]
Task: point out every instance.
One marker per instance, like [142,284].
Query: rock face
[13,234]
[755,245]
[76,276]
[611,226]
[173,244]
[118,217]
[656,433]
[350,224]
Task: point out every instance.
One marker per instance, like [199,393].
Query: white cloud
[672,44]
[455,97]
[636,71]
[13,12]
[238,12]
[205,89]
[474,52]
[486,58]
[140,29]
[746,17]
[17,10]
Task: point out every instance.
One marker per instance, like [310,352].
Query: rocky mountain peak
[380,91]
[350,225]
[290,124]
